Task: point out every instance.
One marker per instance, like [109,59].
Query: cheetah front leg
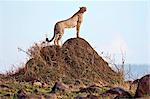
[78,29]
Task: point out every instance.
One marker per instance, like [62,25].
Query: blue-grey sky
[109,25]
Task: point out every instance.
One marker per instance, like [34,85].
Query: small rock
[21,94]
[90,89]
[116,92]
[143,88]
[59,86]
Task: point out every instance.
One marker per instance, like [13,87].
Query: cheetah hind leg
[55,39]
[58,41]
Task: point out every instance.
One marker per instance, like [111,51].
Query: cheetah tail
[51,39]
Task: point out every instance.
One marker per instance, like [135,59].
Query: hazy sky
[109,25]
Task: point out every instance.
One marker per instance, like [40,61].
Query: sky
[110,26]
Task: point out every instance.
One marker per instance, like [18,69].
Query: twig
[20,49]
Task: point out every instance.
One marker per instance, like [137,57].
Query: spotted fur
[74,21]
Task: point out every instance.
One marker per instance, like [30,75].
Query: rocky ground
[12,89]
[73,71]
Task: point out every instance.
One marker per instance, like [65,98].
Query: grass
[12,87]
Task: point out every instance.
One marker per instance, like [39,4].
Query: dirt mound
[75,60]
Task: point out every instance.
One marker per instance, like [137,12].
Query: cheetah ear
[82,7]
